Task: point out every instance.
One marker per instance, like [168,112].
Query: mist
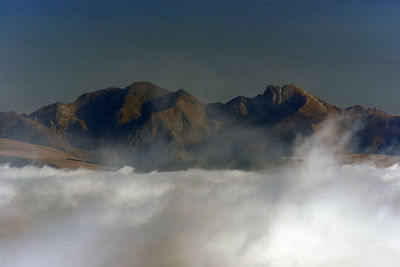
[315,212]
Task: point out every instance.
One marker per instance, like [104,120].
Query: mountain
[154,128]
[260,129]
[22,128]
[142,121]
[289,103]
[378,132]
[21,153]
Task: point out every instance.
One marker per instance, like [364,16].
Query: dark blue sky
[345,52]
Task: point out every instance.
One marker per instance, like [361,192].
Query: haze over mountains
[153,128]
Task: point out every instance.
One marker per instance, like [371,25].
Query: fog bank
[316,213]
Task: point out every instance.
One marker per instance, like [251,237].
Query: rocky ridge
[146,125]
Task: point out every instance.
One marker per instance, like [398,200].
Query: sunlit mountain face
[143,176]
[152,128]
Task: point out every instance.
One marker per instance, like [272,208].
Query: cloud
[312,213]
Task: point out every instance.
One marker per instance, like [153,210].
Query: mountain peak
[278,94]
[145,121]
[91,96]
[139,92]
[143,85]
[359,111]
[185,96]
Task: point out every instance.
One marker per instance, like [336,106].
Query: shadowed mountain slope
[378,132]
[149,126]
[142,118]
[274,105]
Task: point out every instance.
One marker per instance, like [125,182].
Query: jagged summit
[148,125]
[145,90]
[137,115]
[275,104]
[278,95]
[359,111]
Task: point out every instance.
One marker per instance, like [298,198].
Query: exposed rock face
[142,117]
[288,103]
[100,110]
[360,111]
[148,125]
[377,132]
[265,126]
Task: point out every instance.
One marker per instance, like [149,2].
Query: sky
[345,52]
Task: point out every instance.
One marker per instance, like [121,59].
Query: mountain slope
[151,127]
[22,128]
[275,104]
[21,153]
[264,127]
[141,119]
[378,132]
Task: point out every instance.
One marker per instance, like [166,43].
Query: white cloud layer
[314,214]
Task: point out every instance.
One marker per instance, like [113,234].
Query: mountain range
[150,127]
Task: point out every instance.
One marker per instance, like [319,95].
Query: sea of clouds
[312,213]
